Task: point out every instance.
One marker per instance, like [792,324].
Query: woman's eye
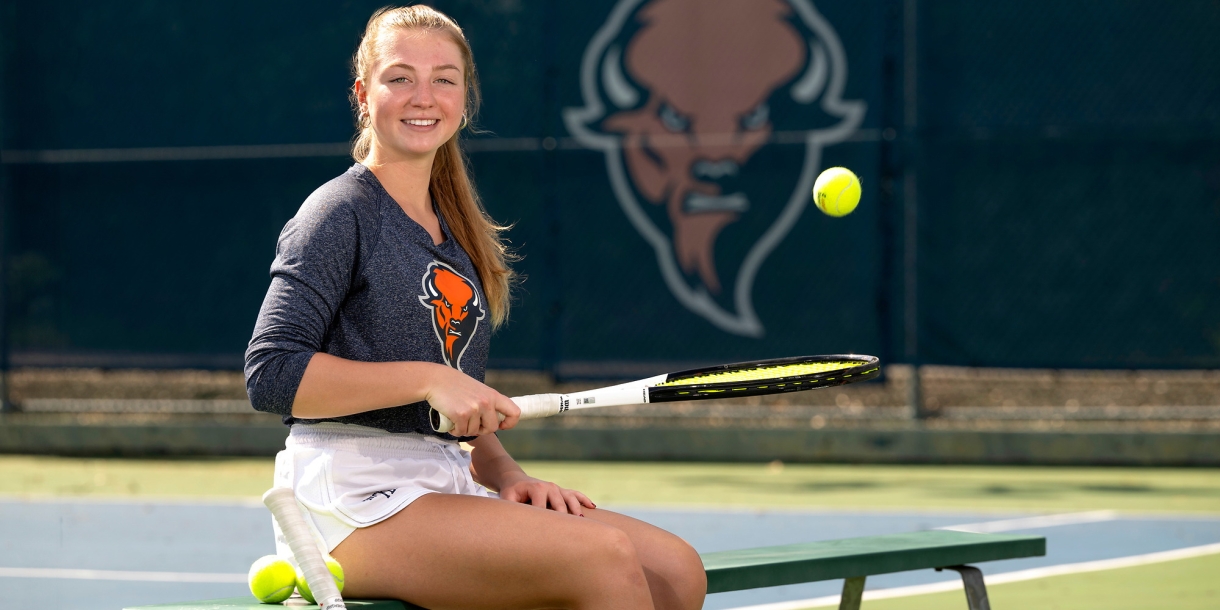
[400,79]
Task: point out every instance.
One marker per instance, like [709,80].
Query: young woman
[385,289]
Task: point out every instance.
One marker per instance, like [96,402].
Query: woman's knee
[682,569]
[613,557]
[694,580]
[592,564]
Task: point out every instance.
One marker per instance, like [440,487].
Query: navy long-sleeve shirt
[356,278]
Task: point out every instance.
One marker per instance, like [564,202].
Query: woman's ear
[362,96]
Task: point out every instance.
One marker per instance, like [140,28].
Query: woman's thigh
[452,551]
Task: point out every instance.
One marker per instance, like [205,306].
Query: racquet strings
[764,373]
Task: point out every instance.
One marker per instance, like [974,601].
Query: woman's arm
[333,387]
[494,469]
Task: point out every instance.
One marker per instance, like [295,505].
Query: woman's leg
[674,571]
[463,552]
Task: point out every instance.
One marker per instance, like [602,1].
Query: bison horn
[814,79]
[615,82]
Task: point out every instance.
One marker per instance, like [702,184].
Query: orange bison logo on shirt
[456,309]
[712,115]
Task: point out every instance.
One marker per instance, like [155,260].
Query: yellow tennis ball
[836,191]
[336,571]
[271,579]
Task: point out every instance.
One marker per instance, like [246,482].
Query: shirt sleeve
[315,261]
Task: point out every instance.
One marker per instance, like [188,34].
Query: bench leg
[976,591]
[853,590]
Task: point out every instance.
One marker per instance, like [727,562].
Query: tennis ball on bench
[336,571]
[836,191]
[271,579]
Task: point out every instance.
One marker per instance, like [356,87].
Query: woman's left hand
[543,494]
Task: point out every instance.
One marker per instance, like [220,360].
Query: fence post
[5,405]
[915,400]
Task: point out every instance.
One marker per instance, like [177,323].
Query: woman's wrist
[491,465]
[429,377]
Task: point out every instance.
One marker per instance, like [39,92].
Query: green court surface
[747,485]
[893,487]
[1188,584]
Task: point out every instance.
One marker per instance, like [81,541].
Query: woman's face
[415,95]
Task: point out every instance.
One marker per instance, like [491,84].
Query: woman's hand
[474,408]
[520,487]
[493,467]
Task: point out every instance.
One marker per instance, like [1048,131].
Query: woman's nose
[423,95]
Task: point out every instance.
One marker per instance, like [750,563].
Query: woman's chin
[415,149]
[424,145]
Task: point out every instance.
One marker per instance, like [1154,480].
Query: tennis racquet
[724,381]
[283,505]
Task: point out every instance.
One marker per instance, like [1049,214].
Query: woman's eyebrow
[434,68]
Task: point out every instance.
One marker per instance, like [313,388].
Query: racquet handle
[283,505]
[534,406]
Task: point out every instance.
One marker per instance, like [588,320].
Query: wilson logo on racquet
[456,309]
[691,102]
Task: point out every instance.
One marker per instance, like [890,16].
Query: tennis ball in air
[336,570]
[271,579]
[836,191]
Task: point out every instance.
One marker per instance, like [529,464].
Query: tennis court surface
[77,554]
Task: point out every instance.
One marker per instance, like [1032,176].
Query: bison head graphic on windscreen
[712,115]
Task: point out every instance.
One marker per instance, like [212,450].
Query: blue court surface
[90,554]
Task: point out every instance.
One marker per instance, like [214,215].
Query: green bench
[852,559]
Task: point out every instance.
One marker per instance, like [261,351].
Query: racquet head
[766,377]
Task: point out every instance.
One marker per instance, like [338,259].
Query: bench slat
[867,556]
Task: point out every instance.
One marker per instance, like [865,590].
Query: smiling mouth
[421,122]
[696,203]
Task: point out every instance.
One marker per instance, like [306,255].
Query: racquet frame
[282,502]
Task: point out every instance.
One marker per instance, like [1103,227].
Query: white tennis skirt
[348,477]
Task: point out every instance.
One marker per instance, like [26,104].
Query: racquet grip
[282,503]
[534,406]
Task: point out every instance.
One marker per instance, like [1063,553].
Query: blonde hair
[450,185]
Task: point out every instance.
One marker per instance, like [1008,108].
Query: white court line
[1028,523]
[1006,577]
[70,574]
[236,501]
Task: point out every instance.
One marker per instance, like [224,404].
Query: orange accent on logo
[456,309]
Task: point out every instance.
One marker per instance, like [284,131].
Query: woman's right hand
[473,408]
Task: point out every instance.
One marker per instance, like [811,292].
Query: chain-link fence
[1042,180]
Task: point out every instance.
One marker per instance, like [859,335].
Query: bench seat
[867,556]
